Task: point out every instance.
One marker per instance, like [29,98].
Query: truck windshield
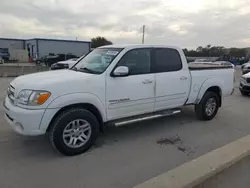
[97,61]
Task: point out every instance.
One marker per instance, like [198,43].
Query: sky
[184,23]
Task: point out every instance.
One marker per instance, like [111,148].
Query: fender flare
[78,98]
[210,82]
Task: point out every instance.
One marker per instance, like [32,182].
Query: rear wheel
[208,106]
[74,131]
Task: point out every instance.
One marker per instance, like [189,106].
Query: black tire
[200,108]
[61,121]
[49,64]
[244,93]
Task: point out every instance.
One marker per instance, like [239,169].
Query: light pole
[143,33]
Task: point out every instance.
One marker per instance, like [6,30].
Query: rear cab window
[166,60]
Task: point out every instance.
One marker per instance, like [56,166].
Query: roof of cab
[139,46]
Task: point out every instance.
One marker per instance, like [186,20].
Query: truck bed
[210,73]
[210,65]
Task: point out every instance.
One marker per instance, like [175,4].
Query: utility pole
[143,33]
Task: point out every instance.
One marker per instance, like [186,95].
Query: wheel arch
[217,90]
[213,86]
[90,107]
[86,101]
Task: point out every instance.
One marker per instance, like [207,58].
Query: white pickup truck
[115,84]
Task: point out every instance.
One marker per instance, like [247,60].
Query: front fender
[211,82]
[76,98]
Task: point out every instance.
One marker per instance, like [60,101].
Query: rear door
[172,79]
[133,94]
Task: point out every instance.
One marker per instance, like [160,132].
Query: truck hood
[45,80]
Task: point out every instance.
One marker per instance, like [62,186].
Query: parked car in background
[207,61]
[234,60]
[65,64]
[224,63]
[245,68]
[59,57]
[245,84]
[116,84]
[201,60]
[1,60]
[4,53]
[42,59]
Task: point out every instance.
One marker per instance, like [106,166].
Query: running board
[148,117]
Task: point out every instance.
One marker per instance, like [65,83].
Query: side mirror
[121,71]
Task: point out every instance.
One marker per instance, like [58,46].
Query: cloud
[178,22]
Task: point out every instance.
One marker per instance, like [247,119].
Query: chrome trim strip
[146,118]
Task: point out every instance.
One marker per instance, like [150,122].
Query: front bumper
[23,121]
[245,86]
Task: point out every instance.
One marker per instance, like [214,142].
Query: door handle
[147,81]
[183,78]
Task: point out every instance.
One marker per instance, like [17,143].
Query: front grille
[248,80]
[11,93]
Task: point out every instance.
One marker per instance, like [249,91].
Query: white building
[39,47]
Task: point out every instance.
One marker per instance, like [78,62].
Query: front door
[133,94]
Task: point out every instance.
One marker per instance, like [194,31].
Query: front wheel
[74,131]
[208,106]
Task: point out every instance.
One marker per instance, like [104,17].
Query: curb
[198,170]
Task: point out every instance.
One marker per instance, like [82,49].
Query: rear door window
[166,60]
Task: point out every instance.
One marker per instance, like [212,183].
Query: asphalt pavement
[122,157]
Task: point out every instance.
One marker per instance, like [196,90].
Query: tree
[207,51]
[185,50]
[208,46]
[217,50]
[99,41]
[237,52]
[199,49]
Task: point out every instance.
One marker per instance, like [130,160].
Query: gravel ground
[124,156]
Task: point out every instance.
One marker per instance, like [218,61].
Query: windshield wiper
[88,70]
[74,69]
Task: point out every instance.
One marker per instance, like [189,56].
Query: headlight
[32,98]
[23,96]
[243,79]
[246,67]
